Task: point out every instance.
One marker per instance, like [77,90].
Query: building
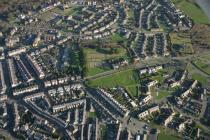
[2,80]
[36,67]
[17,51]
[143,114]
[13,77]
[148,112]
[67,106]
[169,119]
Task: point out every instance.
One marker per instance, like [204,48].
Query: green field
[115,38]
[163,136]
[96,70]
[200,78]
[128,79]
[203,63]
[163,94]
[95,58]
[190,8]
[133,90]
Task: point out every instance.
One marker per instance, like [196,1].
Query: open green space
[133,90]
[203,63]
[115,38]
[162,94]
[200,78]
[128,79]
[158,78]
[181,42]
[164,136]
[96,70]
[166,133]
[190,8]
[181,38]
[95,58]
[124,78]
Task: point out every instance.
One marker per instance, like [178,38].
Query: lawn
[190,8]
[95,58]
[133,90]
[200,78]
[128,79]
[163,136]
[92,115]
[163,93]
[124,78]
[159,78]
[96,70]
[166,133]
[115,38]
[182,39]
[203,63]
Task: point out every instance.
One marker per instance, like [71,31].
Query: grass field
[162,94]
[200,78]
[133,90]
[163,136]
[203,63]
[95,57]
[96,70]
[182,39]
[128,79]
[165,133]
[190,8]
[115,38]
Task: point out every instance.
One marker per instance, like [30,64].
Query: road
[59,124]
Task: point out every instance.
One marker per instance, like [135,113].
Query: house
[154,109]
[3,85]
[143,114]
[146,99]
[149,112]
[34,64]
[17,51]
[152,83]
[12,69]
[169,119]
[143,71]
